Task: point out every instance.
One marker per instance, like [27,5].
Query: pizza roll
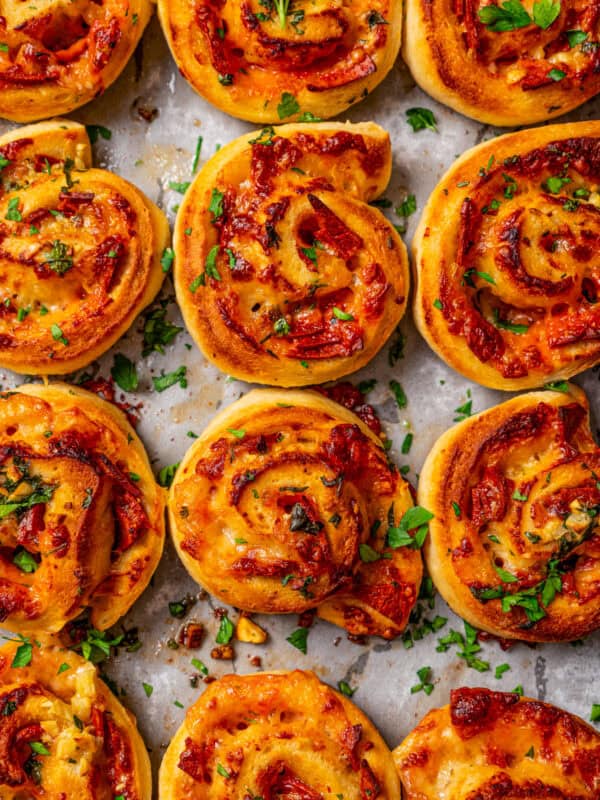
[63,733]
[504,63]
[268,60]
[283,273]
[58,55]
[514,546]
[508,283]
[276,734]
[286,502]
[81,516]
[498,745]
[80,251]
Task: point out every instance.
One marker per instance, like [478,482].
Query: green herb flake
[399,394]
[367,554]
[298,639]
[39,748]
[95,132]
[216,203]
[180,187]
[166,474]
[57,334]
[557,74]
[124,373]
[576,37]
[342,315]
[509,16]
[197,152]
[12,212]
[288,106]
[164,381]
[500,670]
[420,119]
[225,631]
[545,12]
[415,519]
[25,561]
[167,259]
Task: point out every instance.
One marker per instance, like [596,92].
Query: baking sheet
[151,154]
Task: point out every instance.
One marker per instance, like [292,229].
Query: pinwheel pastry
[283,273]
[63,733]
[505,63]
[507,259]
[499,746]
[81,516]
[80,251]
[287,502]
[57,55]
[276,734]
[514,546]
[268,60]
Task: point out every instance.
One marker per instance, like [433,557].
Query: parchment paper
[151,154]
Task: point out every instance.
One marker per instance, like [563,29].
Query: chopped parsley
[399,394]
[59,259]
[25,561]
[124,373]
[288,106]
[299,639]
[425,685]
[343,315]
[158,331]
[167,258]
[94,132]
[165,380]
[420,119]
[225,631]
[166,475]
[12,212]
[415,519]
[468,647]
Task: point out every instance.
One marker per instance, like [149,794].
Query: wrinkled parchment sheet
[150,154]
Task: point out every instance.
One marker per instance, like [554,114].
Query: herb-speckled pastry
[276,734]
[287,502]
[63,733]
[514,546]
[80,251]
[284,274]
[508,279]
[502,63]
[57,55]
[499,746]
[81,516]
[266,60]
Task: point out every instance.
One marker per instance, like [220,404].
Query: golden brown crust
[80,251]
[508,285]
[499,746]
[325,58]
[503,77]
[302,282]
[78,531]
[58,55]
[276,734]
[86,743]
[281,505]
[514,547]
